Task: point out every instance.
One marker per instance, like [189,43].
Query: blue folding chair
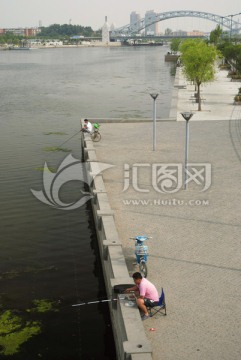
[159,307]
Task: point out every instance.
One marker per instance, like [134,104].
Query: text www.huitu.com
[167,202]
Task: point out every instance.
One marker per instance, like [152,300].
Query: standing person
[87,126]
[147,294]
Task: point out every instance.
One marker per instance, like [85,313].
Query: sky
[32,13]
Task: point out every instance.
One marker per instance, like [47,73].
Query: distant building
[195,33]
[31,31]
[135,21]
[21,31]
[52,42]
[153,28]
[179,33]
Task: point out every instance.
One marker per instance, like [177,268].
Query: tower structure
[135,21]
[106,32]
[153,28]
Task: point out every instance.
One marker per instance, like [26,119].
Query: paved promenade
[218,98]
[195,250]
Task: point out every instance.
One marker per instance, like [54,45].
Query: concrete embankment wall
[134,120]
[130,339]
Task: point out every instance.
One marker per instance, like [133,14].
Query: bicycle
[141,253]
[95,135]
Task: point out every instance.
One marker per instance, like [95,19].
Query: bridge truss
[135,28]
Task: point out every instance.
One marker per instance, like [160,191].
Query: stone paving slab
[218,98]
[195,246]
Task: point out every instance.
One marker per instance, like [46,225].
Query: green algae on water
[9,323]
[35,270]
[55,133]
[44,305]
[50,169]
[14,332]
[56,148]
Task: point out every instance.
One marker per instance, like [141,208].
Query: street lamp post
[231,27]
[154,97]
[231,24]
[187,116]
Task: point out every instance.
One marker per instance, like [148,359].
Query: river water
[48,254]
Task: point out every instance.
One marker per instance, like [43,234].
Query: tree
[175,43]
[198,61]
[168,31]
[215,35]
[57,31]
[237,58]
[10,38]
[232,54]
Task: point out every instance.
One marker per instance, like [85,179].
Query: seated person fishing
[146,292]
[87,126]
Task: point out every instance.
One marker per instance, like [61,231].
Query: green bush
[237,98]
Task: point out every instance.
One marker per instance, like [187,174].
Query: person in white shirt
[87,126]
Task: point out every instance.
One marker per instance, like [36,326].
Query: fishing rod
[69,139]
[94,302]
[122,297]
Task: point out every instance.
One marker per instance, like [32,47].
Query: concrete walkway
[218,98]
[195,248]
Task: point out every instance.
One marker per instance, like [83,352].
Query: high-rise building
[135,21]
[153,28]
